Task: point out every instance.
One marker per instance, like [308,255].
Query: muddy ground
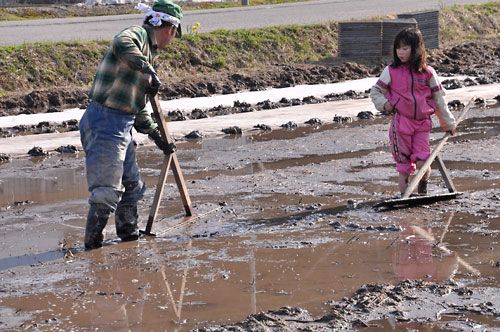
[283,219]
[284,237]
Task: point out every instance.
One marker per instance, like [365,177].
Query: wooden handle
[169,160]
[414,182]
[160,118]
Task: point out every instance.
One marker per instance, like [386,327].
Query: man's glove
[167,148]
[155,83]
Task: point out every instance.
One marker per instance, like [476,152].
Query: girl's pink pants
[409,142]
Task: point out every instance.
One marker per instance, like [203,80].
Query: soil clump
[377,302]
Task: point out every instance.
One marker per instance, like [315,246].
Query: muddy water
[61,185]
[179,285]
[284,235]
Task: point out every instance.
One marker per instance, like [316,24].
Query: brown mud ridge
[480,59]
[45,127]
[410,300]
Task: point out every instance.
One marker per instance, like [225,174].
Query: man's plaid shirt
[119,83]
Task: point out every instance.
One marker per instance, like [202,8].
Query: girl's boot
[422,187]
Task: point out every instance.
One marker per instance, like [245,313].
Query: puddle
[287,230]
[10,262]
[56,186]
[180,285]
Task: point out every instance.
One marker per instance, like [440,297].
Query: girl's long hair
[411,37]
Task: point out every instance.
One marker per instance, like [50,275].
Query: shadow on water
[25,260]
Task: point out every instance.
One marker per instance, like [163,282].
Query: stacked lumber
[390,28]
[360,39]
[428,23]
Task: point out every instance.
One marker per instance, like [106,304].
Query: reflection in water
[130,299]
[177,308]
[118,301]
[9,262]
[170,285]
[426,235]
[253,279]
[66,184]
[414,257]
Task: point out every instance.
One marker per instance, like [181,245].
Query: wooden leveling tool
[169,159]
[405,199]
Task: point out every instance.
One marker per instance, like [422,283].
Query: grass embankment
[39,66]
[44,65]
[469,22]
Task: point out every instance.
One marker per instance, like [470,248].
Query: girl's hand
[388,108]
[453,131]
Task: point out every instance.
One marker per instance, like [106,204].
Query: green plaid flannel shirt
[119,82]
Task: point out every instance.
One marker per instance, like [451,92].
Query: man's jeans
[112,171]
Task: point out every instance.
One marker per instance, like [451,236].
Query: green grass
[469,22]
[46,64]
[251,47]
[40,65]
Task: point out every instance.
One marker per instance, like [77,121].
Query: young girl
[409,90]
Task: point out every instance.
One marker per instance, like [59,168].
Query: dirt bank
[51,77]
[480,59]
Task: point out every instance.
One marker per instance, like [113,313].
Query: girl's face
[404,53]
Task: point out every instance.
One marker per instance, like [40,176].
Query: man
[124,80]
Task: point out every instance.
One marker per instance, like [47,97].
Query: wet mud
[284,237]
[363,312]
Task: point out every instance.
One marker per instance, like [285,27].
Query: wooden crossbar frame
[434,156]
[405,199]
[168,160]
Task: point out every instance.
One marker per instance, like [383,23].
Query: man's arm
[127,46]
[144,124]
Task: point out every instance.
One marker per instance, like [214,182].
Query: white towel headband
[157,17]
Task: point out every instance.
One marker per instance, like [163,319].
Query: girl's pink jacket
[414,95]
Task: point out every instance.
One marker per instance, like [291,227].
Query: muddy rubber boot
[126,222]
[422,187]
[96,221]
